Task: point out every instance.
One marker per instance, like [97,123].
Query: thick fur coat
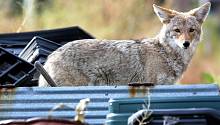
[159,60]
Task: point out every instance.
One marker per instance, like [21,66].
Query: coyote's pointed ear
[201,12]
[164,14]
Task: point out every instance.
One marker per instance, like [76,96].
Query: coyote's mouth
[185,47]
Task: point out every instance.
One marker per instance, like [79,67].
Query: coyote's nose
[186,44]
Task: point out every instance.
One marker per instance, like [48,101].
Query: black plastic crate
[192,116]
[122,108]
[15,41]
[14,47]
[38,49]
[14,71]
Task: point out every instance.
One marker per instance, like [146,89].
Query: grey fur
[93,62]
[118,62]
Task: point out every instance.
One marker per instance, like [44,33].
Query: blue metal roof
[29,102]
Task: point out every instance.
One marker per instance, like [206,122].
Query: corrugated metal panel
[23,103]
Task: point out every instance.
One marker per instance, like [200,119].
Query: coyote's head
[182,29]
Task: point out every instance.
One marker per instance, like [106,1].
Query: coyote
[159,60]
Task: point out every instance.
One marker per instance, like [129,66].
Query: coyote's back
[93,62]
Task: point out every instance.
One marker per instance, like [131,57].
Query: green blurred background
[117,19]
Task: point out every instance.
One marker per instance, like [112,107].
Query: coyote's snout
[159,60]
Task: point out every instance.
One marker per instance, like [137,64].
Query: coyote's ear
[164,14]
[201,12]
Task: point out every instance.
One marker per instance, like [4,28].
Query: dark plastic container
[122,109]
[15,41]
[191,116]
[38,49]
[14,71]
[14,49]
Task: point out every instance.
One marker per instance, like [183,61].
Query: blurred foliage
[210,78]
[115,19]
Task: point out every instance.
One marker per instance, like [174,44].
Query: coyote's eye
[177,30]
[191,30]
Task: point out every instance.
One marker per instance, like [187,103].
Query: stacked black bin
[15,42]
[38,49]
[14,71]
[19,51]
